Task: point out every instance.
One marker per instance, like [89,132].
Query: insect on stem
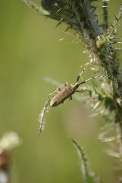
[61,94]
[70,89]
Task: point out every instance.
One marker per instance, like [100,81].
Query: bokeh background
[30,49]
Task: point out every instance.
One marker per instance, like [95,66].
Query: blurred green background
[29,50]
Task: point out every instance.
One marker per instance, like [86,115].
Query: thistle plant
[100,42]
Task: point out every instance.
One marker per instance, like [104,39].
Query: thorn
[94,8]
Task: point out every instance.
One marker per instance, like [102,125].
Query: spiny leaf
[87,174]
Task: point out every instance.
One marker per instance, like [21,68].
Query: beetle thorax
[74,85]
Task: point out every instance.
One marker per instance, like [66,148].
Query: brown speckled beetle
[69,90]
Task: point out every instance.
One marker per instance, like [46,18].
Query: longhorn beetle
[70,89]
[58,97]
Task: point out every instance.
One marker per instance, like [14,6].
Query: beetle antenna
[95,77]
[78,77]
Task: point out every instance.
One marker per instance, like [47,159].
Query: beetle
[64,93]
[70,89]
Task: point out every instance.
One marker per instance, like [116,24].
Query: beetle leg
[56,90]
[60,88]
